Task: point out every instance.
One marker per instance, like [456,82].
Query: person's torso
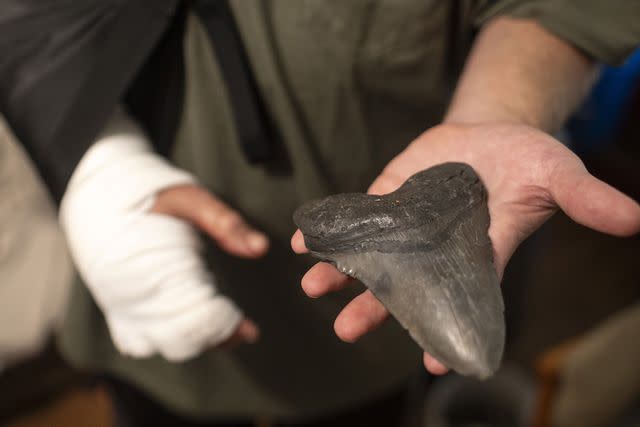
[348,84]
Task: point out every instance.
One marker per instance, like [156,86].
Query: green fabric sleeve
[608,31]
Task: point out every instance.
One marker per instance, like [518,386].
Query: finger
[593,203]
[504,240]
[385,183]
[433,366]
[223,224]
[363,314]
[297,243]
[247,332]
[323,278]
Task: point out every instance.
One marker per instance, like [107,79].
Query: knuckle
[228,221]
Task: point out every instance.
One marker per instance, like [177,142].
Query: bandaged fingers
[214,217]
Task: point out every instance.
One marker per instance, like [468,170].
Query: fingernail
[257,242]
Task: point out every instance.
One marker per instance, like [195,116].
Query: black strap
[156,96]
[253,127]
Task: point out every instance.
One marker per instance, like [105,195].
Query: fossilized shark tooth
[424,252]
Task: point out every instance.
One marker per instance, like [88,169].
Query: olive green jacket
[349,84]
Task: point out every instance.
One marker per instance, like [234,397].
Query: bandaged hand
[129,219]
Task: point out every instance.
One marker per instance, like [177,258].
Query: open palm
[528,175]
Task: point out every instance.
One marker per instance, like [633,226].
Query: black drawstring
[252,123]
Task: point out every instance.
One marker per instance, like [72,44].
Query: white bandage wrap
[143,269]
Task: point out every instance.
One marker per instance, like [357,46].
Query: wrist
[492,112]
[120,171]
[518,72]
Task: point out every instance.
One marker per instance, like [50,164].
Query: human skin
[197,206]
[519,84]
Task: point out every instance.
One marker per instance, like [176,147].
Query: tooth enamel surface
[424,251]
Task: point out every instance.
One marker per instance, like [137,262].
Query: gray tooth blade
[424,251]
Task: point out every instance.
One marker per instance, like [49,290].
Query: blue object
[597,122]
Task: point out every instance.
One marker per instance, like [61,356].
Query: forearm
[519,72]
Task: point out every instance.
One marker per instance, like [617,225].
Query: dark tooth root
[432,267]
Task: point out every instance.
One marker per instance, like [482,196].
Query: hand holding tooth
[528,175]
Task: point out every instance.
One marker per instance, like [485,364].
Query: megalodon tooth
[424,252]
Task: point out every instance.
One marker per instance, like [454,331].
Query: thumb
[385,183]
[594,203]
[199,207]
